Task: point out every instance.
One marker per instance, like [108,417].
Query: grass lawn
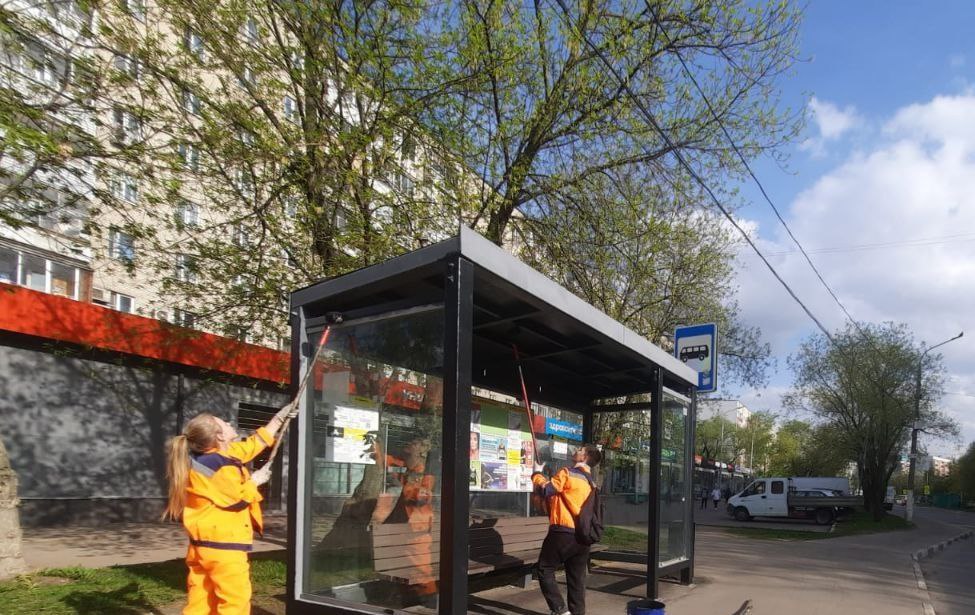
[860,523]
[123,590]
[627,540]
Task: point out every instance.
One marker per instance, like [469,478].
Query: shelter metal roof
[572,352]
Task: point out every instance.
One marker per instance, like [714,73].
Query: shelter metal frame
[490,300]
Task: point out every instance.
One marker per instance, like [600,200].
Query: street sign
[697,346]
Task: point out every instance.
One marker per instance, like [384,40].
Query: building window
[125,187]
[184,318]
[187,213]
[189,155]
[193,43]
[242,180]
[250,31]
[290,109]
[125,126]
[191,103]
[121,246]
[241,236]
[33,272]
[128,66]
[39,273]
[403,183]
[242,334]
[123,303]
[63,280]
[8,265]
[245,136]
[186,268]
[246,77]
[135,8]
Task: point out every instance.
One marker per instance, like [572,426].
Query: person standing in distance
[565,493]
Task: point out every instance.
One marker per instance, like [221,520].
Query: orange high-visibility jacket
[222,504]
[566,493]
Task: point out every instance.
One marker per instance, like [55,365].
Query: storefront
[414,451]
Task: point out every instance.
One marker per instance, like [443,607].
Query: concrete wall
[86,437]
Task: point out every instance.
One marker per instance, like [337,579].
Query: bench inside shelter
[406,553]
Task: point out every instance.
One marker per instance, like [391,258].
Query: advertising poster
[514,478]
[514,451]
[494,475]
[475,474]
[560,449]
[527,453]
[476,417]
[489,447]
[515,420]
[346,434]
[475,445]
[494,420]
[526,479]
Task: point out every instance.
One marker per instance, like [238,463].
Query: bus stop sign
[697,346]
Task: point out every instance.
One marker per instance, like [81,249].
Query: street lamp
[914,430]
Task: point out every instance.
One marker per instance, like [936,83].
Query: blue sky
[888,157]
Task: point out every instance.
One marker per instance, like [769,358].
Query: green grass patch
[122,590]
[863,523]
[624,539]
[860,523]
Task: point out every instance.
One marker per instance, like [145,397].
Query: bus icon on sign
[693,352]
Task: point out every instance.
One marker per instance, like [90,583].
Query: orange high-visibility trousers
[218,583]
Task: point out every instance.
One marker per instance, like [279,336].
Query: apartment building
[52,251]
[164,224]
[728,409]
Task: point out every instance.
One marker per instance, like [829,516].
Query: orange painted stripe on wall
[57,318]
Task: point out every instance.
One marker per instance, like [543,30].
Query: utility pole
[914,429]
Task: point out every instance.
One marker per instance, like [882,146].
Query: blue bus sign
[697,346]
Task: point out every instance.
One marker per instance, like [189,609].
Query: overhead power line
[741,157]
[651,120]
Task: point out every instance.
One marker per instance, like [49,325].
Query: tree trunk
[11,561]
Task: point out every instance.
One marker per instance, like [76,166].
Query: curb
[917,556]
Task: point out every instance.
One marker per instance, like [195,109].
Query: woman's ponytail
[199,435]
[178,475]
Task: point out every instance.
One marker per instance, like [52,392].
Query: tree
[721,439]
[862,385]
[49,93]
[539,112]
[645,255]
[965,471]
[802,449]
[282,146]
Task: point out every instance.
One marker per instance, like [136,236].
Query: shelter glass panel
[674,484]
[371,492]
[624,477]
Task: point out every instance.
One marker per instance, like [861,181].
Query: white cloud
[831,124]
[892,229]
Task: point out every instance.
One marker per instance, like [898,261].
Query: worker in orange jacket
[217,499]
[565,494]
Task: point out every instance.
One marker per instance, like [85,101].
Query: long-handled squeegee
[528,406]
[332,318]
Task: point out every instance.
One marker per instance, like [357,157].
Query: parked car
[900,500]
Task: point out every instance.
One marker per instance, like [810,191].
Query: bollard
[645,607]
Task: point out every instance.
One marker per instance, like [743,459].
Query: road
[949,574]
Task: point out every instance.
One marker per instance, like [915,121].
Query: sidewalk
[122,543]
[855,574]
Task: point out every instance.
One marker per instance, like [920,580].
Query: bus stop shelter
[411,459]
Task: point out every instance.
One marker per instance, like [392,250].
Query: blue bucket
[645,607]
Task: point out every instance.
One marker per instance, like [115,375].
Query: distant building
[940,466]
[730,409]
